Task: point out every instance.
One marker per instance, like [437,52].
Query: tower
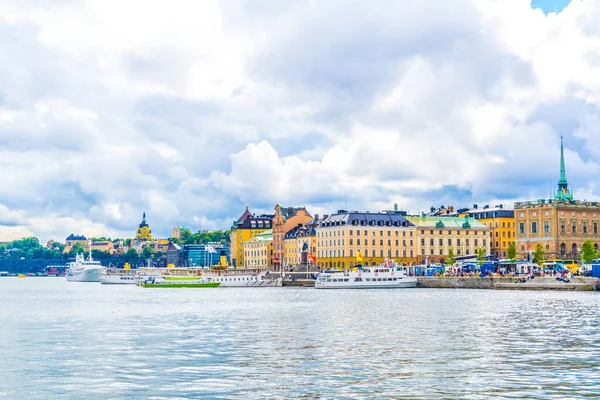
[563,193]
[144,232]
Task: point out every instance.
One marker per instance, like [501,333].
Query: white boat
[84,270]
[119,277]
[377,277]
[226,277]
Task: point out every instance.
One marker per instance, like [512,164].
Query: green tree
[451,259]
[480,256]
[147,252]
[538,255]
[512,251]
[76,249]
[131,255]
[588,251]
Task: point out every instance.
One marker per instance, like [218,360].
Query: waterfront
[86,340]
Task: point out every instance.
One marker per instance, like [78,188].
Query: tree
[76,249]
[538,256]
[451,259]
[147,252]
[131,254]
[512,251]
[480,256]
[588,252]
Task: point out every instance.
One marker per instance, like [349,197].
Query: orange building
[285,220]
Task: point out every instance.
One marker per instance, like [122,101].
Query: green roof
[448,222]
[265,236]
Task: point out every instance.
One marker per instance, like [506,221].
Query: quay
[576,283]
[498,283]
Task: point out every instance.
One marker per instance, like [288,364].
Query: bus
[571,265]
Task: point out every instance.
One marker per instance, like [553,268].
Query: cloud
[191,110]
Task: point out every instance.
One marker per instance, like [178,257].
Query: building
[560,225]
[143,232]
[242,230]
[258,250]
[291,255]
[348,238]
[173,257]
[435,236]
[501,222]
[285,219]
[198,255]
[177,232]
[72,240]
[104,246]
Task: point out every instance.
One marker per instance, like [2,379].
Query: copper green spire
[563,192]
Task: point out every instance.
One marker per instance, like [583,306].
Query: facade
[242,230]
[435,236]
[285,219]
[197,255]
[104,246]
[258,251]
[72,240]
[177,232]
[173,255]
[501,222]
[143,232]
[291,255]
[346,239]
[560,225]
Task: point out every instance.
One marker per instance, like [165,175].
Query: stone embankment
[506,283]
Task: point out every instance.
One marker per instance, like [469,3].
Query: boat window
[357,279]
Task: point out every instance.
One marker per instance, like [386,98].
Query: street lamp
[528,258]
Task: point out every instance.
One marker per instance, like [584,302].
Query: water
[86,340]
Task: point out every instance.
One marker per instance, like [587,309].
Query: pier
[508,283]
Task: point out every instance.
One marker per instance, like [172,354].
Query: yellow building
[291,255]
[143,232]
[245,228]
[501,222]
[343,236]
[72,240]
[284,220]
[104,246]
[299,243]
[435,236]
[258,250]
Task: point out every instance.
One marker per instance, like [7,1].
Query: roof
[266,236]
[495,212]
[76,237]
[288,212]
[255,222]
[446,222]
[389,218]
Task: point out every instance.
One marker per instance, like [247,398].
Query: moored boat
[178,282]
[122,276]
[84,270]
[376,277]
[242,277]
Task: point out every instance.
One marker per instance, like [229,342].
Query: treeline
[187,237]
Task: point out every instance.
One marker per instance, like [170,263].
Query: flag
[359,256]
[312,258]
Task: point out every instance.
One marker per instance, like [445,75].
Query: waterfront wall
[539,283]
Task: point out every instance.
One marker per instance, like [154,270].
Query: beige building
[560,225]
[346,239]
[104,246]
[435,236]
[258,251]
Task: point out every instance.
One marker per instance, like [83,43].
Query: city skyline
[204,109]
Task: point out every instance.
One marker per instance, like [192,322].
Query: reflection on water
[86,340]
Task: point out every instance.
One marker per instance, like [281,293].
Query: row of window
[534,227]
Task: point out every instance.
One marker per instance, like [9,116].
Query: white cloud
[190,110]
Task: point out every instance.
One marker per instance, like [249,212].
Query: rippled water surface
[61,339]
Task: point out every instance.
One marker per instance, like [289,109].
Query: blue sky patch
[549,6]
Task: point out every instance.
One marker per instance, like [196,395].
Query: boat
[84,270]
[21,276]
[242,277]
[179,282]
[122,276]
[376,277]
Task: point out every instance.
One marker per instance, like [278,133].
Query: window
[534,227]
[574,227]
[351,242]
[431,242]
[422,242]
[585,228]
[546,227]
[595,228]
[475,242]
[358,242]
[449,242]
[522,228]
[441,242]
[562,227]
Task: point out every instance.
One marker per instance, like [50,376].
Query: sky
[192,110]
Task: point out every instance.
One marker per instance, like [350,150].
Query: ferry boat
[84,270]
[178,282]
[242,277]
[377,277]
[122,276]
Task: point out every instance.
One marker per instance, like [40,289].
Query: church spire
[563,192]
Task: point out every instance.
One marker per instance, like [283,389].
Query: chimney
[316,217]
[325,216]
[451,209]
